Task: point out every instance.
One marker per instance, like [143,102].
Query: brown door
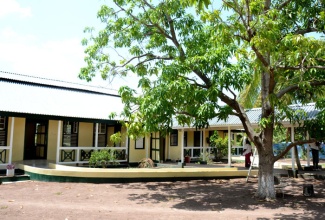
[162,149]
[35,139]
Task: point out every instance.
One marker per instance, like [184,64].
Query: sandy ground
[196,199]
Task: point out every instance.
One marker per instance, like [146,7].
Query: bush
[103,158]
[221,145]
[205,157]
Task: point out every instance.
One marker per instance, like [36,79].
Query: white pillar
[308,151]
[293,149]
[96,136]
[11,138]
[182,145]
[168,145]
[148,145]
[229,147]
[58,144]
[204,145]
[126,142]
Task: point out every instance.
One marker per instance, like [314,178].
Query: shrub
[103,158]
[221,145]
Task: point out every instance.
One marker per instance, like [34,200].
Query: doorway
[35,139]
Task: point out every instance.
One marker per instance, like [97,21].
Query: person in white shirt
[247,153]
[315,152]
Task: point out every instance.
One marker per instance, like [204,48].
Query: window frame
[139,141]
[173,138]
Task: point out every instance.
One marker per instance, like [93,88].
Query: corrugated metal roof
[254,116]
[23,97]
[55,82]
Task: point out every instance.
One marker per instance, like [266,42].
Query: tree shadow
[222,194]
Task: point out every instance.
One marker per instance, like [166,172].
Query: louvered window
[70,134]
[3,131]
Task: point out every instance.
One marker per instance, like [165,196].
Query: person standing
[315,152]
[247,153]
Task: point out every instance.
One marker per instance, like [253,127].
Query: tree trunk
[265,188]
[297,158]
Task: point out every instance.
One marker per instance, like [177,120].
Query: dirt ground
[195,199]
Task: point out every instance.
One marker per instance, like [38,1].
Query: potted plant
[10,169]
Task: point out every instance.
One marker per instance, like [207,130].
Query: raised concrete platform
[61,173]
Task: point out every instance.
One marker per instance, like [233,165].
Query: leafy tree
[192,67]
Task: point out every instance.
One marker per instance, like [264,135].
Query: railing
[238,150]
[81,155]
[195,152]
[4,152]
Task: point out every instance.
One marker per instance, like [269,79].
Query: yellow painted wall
[110,131]
[137,154]
[85,138]
[53,139]
[190,138]
[175,152]
[18,139]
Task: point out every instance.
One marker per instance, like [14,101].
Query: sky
[43,38]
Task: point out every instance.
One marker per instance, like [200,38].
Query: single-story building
[64,122]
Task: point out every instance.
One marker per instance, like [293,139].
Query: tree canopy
[192,66]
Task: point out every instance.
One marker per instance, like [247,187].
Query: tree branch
[296,87]
[195,82]
[283,4]
[305,31]
[301,67]
[283,153]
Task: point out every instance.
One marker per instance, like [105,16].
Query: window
[102,135]
[2,123]
[139,143]
[70,134]
[3,131]
[197,138]
[101,128]
[174,138]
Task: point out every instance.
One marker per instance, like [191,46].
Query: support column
[127,144]
[148,145]
[168,146]
[96,137]
[293,150]
[58,144]
[11,139]
[204,146]
[229,146]
[308,151]
[182,146]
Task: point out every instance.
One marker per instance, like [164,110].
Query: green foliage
[221,145]
[279,134]
[206,157]
[103,158]
[192,66]
[146,163]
